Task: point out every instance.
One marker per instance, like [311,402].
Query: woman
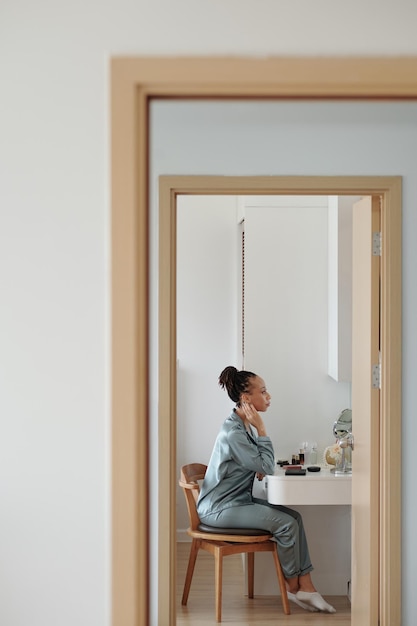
[242,451]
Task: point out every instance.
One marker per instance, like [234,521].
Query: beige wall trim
[134,82]
[291,77]
[129,239]
[390,444]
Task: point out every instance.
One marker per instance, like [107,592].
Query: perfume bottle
[313,454]
[304,449]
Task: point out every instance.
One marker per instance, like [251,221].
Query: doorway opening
[254,291]
[368,506]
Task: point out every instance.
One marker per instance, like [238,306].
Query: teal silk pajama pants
[286,526]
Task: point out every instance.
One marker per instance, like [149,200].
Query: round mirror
[343,424]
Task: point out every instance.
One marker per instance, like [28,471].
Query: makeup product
[293,471]
[283,462]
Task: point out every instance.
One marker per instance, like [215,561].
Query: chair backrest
[190,475]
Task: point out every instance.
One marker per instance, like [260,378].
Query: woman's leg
[301,589]
[286,525]
[303,567]
[283,523]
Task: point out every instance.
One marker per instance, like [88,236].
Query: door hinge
[376,244]
[376,376]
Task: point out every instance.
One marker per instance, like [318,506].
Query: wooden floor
[236,607]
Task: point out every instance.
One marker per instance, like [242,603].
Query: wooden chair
[221,542]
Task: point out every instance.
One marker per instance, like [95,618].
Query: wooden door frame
[134,83]
[378,481]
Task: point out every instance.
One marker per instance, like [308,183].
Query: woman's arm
[254,455]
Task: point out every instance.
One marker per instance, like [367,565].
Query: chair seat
[252,532]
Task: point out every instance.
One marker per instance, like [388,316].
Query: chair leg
[282,585]
[218,575]
[251,570]
[195,546]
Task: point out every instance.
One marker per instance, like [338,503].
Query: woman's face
[258,394]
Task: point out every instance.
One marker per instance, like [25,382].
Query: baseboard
[182,536]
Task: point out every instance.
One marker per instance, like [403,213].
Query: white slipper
[306,607]
[315,600]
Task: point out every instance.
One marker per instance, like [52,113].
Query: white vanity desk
[314,488]
[324,501]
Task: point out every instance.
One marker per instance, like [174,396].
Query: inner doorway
[253,290]
[367,485]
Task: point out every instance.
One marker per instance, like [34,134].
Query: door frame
[135,81]
[378,555]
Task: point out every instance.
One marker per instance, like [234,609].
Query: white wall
[286,318]
[54,267]
[340,224]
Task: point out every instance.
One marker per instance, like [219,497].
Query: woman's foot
[306,607]
[315,600]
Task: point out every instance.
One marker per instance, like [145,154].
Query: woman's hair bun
[235,382]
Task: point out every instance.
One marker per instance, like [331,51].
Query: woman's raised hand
[254,418]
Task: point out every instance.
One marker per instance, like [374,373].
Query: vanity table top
[314,488]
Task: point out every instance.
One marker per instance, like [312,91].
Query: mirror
[342,430]
[343,424]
